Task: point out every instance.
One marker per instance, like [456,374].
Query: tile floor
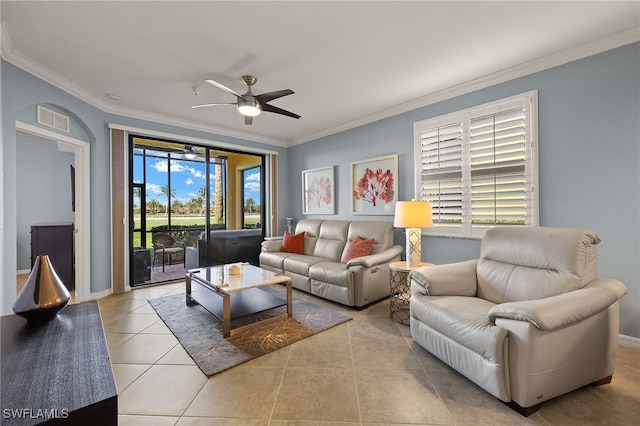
[365,372]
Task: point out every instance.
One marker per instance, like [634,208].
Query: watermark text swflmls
[35,413]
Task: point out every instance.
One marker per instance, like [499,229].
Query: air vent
[53,119]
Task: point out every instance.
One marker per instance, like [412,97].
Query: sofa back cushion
[526,263]
[331,240]
[311,229]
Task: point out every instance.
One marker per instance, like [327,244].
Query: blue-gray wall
[589,151]
[589,155]
[40,199]
[21,92]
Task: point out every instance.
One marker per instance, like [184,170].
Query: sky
[187,178]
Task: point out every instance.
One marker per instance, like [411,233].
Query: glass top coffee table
[230,296]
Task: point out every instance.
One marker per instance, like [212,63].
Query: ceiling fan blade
[271,108]
[248,119]
[223,87]
[266,97]
[208,105]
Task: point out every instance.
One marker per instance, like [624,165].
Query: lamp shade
[413,214]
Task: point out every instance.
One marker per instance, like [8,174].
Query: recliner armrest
[451,279]
[383,257]
[272,245]
[564,309]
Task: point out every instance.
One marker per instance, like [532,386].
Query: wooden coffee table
[230,296]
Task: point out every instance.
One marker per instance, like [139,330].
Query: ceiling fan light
[249,110]
[249,107]
[189,153]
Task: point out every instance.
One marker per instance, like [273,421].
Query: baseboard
[634,342]
[99,295]
[23,271]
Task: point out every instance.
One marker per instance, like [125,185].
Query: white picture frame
[374,185]
[318,191]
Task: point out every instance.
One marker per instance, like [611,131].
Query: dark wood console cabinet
[55,240]
[58,372]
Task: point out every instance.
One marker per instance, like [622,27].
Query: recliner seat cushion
[464,320]
[300,264]
[274,259]
[331,272]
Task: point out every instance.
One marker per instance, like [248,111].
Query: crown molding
[622,38]
[19,60]
[628,36]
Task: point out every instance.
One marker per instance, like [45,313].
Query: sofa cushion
[311,228]
[274,259]
[331,272]
[300,264]
[358,248]
[464,320]
[331,240]
[293,243]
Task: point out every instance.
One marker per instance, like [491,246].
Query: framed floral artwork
[318,191]
[374,185]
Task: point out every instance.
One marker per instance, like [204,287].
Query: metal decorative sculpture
[43,294]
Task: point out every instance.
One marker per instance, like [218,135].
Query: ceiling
[348,63]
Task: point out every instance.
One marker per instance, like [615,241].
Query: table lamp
[413,215]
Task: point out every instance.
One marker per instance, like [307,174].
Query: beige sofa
[527,321]
[320,270]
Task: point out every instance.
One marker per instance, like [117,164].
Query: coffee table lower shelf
[231,306]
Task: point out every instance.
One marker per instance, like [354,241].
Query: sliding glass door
[180,197]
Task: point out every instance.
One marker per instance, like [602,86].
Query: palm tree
[219,202]
[154,206]
[169,193]
[249,205]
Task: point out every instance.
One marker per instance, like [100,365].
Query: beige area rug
[200,333]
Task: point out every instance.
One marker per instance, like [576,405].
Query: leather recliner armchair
[527,321]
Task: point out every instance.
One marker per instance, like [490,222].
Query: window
[251,197]
[478,167]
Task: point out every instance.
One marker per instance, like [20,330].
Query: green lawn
[178,221]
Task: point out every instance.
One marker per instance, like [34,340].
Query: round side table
[400,292]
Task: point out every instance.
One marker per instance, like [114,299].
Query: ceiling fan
[250,105]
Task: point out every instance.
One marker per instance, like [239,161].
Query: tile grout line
[353,370]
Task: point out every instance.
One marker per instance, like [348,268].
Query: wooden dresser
[55,240]
[57,372]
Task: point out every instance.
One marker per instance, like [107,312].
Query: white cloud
[189,181]
[252,186]
[162,166]
[196,173]
[253,177]
[155,189]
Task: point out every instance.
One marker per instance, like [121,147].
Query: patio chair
[165,245]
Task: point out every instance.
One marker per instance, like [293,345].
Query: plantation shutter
[497,154]
[478,167]
[441,168]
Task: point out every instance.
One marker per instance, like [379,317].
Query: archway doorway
[81,154]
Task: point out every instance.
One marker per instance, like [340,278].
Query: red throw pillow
[359,248]
[293,243]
